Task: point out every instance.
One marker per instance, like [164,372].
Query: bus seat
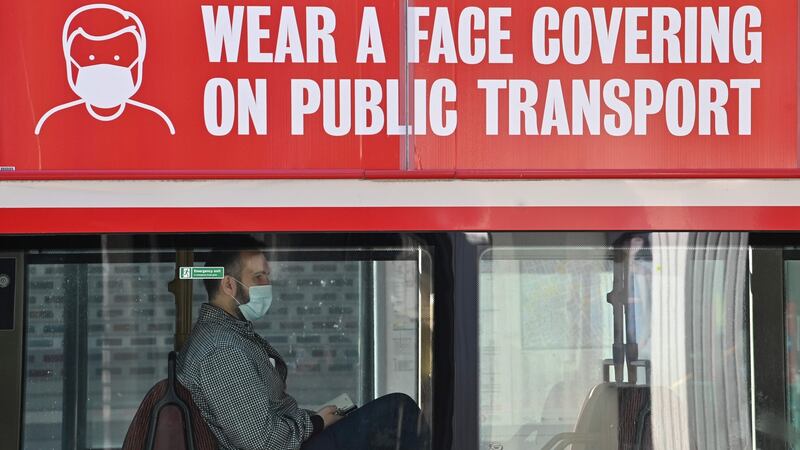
[615,416]
[167,418]
[557,413]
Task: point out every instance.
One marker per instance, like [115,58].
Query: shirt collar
[215,314]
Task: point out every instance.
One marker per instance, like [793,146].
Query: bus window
[100,323]
[633,341]
[792,283]
[101,329]
[544,340]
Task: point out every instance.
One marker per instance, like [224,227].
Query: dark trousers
[390,422]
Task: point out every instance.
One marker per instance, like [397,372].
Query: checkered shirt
[242,396]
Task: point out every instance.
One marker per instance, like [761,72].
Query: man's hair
[230,259]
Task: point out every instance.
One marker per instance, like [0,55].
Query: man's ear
[228,286]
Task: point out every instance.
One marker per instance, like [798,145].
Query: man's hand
[329,416]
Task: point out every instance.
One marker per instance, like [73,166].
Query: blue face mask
[260,301]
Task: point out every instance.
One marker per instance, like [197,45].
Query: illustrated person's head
[246,287]
[104,49]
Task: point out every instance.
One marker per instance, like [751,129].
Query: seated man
[238,380]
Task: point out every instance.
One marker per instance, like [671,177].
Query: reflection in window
[547,333]
[792,271]
[131,326]
[543,323]
[127,317]
[343,324]
[44,353]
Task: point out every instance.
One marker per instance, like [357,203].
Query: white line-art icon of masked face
[104,86]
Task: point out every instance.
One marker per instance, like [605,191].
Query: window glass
[120,319]
[100,324]
[131,326]
[44,355]
[667,367]
[544,321]
[792,271]
[620,339]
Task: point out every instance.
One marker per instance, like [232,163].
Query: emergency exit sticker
[202,273]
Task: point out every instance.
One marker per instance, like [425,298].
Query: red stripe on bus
[461,174]
[171,220]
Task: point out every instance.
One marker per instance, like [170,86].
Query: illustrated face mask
[259,304]
[105,85]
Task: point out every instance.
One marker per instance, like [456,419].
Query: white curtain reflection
[699,341]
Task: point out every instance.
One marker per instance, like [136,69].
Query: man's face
[255,272]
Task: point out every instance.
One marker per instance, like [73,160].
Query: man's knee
[400,398]
[401,401]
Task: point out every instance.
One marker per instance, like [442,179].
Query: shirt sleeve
[317,421]
[239,400]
